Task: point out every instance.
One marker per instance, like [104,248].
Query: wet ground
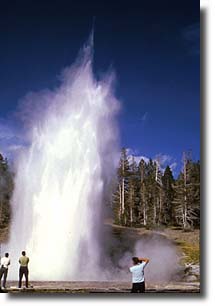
[83,287]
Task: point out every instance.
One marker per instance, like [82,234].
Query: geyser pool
[60,177]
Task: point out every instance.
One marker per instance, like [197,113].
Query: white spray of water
[164,259]
[163,265]
[60,178]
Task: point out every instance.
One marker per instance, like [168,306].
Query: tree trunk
[123,195]
[120,204]
[131,206]
[155,213]
[144,215]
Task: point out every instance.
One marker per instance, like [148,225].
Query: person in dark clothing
[23,270]
[138,287]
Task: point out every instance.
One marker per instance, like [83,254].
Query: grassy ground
[188,243]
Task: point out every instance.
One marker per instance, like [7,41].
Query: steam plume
[60,177]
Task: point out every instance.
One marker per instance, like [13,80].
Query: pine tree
[151,194]
[159,193]
[193,191]
[168,190]
[142,193]
[6,188]
[187,197]
[145,196]
[133,193]
[121,195]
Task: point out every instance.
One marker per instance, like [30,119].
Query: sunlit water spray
[61,177]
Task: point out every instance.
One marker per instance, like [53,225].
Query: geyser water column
[59,183]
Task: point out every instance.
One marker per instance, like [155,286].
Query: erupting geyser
[60,177]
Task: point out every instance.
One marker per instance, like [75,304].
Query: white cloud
[144,116]
[10,139]
[173,166]
[162,159]
[5,131]
[15,147]
[138,158]
[134,153]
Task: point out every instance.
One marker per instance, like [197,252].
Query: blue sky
[152,46]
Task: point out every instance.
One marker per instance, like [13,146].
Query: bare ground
[82,287]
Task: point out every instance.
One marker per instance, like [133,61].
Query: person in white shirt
[137,270]
[5,262]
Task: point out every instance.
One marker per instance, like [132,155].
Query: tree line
[143,194]
[146,196]
[6,189]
